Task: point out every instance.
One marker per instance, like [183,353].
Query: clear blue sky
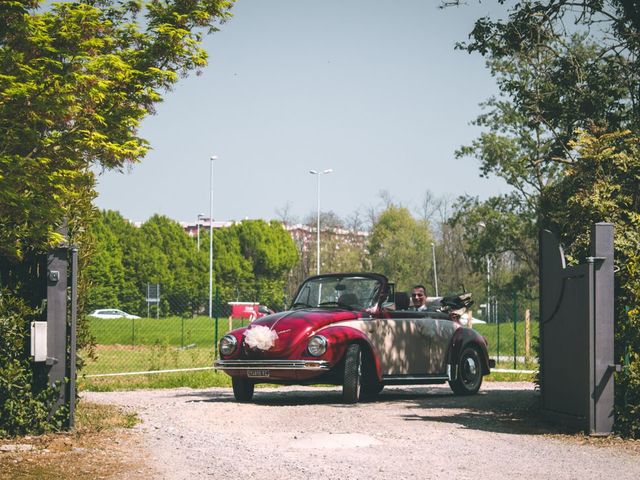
[373,89]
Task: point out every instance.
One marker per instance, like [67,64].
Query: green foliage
[172,261]
[106,269]
[399,246]
[602,185]
[552,82]
[268,246]
[502,229]
[129,249]
[628,382]
[77,79]
[233,273]
[272,253]
[251,260]
[24,407]
[558,135]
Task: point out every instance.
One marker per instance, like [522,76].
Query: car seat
[350,299]
[401,300]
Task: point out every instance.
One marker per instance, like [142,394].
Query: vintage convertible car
[352,329]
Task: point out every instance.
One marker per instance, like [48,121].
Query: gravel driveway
[408,432]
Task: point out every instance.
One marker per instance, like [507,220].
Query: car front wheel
[469,375]
[242,389]
[352,374]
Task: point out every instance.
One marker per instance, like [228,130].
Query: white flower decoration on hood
[260,337]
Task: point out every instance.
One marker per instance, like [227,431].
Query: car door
[411,343]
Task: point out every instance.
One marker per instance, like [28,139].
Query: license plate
[258,373]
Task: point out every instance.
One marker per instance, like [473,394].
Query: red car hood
[295,326]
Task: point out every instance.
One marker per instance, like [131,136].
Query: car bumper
[304,365]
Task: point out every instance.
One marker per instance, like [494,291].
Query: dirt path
[409,432]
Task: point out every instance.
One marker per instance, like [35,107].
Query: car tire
[469,373]
[242,389]
[352,382]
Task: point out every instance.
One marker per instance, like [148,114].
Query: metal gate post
[61,318]
[71,386]
[601,399]
[57,266]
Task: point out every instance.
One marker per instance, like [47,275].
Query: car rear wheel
[352,374]
[469,375]
[242,389]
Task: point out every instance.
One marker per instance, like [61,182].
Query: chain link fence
[512,332]
[158,340]
[155,339]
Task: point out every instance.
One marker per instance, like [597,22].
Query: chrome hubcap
[471,366]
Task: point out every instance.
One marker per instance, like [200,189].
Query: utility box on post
[39,341]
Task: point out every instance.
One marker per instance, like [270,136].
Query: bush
[628,382]
[24,409]
[602,186]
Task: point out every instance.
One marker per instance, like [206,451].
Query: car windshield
[352,292]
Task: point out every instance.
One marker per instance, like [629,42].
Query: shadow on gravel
[316,396]
[501,411]
[495,410]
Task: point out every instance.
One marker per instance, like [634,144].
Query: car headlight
[317,345]
[228,344]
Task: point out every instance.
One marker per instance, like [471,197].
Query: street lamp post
[212,159]
[483,225]
[200,217]
[318,173]
[489,309]
[435,269]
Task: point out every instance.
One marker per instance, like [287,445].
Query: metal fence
[157,342]
[163,342]
[512,333]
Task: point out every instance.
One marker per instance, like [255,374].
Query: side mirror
[263,309]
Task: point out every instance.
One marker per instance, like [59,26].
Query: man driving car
[419,298]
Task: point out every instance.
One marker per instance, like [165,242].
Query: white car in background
[111,313]
[464,320]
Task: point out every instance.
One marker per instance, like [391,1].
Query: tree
[77,79]
[272,253]
[130,250]
[552,82]
[172,262]
[233,272]
[603,186]
[399,247]
[564,134]
[106,271]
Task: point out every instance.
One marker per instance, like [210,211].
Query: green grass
[198,379]
[510,377]
[513,377]
[119,358]
[149,344]
[175,331]
[490,332]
